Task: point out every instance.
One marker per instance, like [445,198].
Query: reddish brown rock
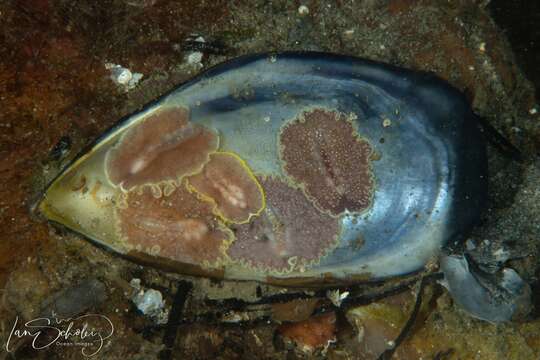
[315,332]
[229,183]
[290,232]
[178,226]
[165,146]
[322,152]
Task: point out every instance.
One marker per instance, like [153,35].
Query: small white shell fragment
[336,297]
[349,32]
[482,47]
[123,77]
[195,58]
[134,80]
[303,10]
[150,303]
[533,111]
[135,283]
[470,245]
[235,317]
[501,255]
[199,39]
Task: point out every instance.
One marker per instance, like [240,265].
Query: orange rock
[316,332]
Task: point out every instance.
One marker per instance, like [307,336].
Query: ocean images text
[55,330]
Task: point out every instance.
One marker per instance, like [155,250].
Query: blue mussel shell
[427,169]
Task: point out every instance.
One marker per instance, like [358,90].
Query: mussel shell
[428,160]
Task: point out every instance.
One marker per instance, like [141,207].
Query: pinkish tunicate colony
[177,192]
[176,226]
[323,153]
[227,180]
[181,199]
[165,146]
[289,234]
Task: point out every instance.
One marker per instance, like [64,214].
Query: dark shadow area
[519,19]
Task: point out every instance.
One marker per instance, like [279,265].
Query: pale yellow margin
[216,211]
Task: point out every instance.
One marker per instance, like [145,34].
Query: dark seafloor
[54,85]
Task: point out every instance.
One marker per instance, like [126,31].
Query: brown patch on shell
[165,146]
[176,226]
[322,152]
[228,182]
[289,234]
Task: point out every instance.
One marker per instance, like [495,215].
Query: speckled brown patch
[290,234]
[322,152]
[165,146]
[228,182]
[177,226]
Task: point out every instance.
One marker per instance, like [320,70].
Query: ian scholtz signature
[48,331]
